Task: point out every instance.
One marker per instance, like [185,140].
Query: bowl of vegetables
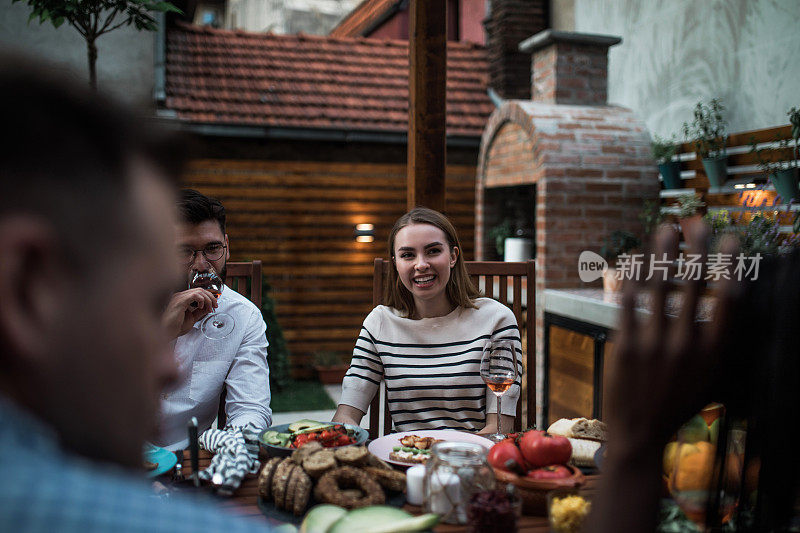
[282,440]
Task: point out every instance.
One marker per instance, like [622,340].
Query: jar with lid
[454,472]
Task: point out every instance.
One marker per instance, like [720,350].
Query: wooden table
[244,502]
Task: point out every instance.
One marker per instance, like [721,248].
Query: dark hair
[757,382]
[195,207]
[68,156]
[460,290]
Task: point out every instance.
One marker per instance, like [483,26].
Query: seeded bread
[305,450]
[302,492]
[265,477]
[291,486]
[281,480]
[351,455]
[317,464]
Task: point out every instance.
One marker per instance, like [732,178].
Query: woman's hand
[505,420]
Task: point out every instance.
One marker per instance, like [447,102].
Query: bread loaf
[583,451]
[579,428]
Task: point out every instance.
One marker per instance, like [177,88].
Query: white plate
[382,447]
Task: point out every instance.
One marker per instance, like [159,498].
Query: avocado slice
[320,518]
[382,519]
[304,426]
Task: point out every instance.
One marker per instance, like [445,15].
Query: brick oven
[565,163]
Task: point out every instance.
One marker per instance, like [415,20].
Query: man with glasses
[238,361]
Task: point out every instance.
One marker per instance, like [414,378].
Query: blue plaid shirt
[44,489]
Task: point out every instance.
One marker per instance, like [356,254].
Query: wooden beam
[427,78]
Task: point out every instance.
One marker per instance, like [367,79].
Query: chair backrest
[244,278]
[494,278]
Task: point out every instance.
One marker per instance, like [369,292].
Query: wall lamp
[364,233]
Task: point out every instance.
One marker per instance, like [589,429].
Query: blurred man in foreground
[85,272]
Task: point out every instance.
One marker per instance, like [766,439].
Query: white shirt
[239,361]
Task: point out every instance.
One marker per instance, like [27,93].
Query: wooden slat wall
[571,374]
[299,218]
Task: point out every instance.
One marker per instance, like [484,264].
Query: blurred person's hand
[664,371]
[184,309]
[665,368]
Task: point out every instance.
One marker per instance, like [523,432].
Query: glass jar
[453,473]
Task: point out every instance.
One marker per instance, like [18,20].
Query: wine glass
[498,371]
[215,325]
[705,484]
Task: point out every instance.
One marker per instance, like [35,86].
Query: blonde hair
[460,290]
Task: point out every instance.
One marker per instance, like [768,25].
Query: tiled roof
[299,81]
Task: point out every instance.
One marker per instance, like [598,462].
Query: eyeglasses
[212,252]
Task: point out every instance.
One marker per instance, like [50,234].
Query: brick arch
[509,114]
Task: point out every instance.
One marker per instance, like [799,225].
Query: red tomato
[541,449]
[550,472]
[502,452]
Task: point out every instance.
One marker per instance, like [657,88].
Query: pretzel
[330,485]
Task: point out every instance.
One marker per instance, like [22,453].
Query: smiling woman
[427,341]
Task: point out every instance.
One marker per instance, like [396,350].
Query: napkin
[235,452]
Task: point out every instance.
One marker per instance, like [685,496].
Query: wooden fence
[298,218]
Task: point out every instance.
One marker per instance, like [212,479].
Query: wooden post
[427,51]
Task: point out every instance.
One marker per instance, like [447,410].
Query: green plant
[328,359]
[762,235]
[500,233]
[617,243]
[93,18]
[663,149]
[689,205]
[651,216]
[707,129]
[278,351]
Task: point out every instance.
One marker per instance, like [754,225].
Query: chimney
[507,24]
[569,68]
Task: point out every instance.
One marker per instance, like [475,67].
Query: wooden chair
[495,277]
[244,278]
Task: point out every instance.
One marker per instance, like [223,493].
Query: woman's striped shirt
[431,366]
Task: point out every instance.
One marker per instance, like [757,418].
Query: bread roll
[579,428]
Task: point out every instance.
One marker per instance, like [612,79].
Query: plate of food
[413,447]
[282,440]
[157,461]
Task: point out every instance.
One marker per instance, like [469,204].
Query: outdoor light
[364,233]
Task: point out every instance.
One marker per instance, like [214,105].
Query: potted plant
[707,132]
[511,240]
[499,233]
[663,151]
[330,367]
[617,243]
[689,213]
[783,173]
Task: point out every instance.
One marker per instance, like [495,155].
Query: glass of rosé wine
[216,325]
[498,371]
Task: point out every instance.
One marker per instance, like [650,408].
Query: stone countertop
[598,307]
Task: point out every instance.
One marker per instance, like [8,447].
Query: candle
[445,494]
[414,478]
